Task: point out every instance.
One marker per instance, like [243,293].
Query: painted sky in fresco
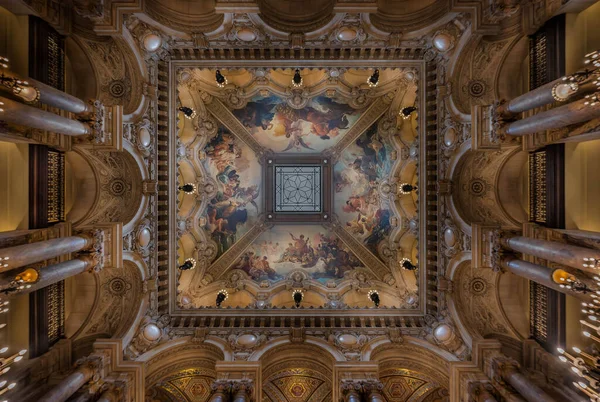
[282,128]
[362,166]
[235,208]
[285,248]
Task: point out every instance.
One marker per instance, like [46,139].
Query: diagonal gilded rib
[224,115]
[370,261]
[366,120]
[220,267]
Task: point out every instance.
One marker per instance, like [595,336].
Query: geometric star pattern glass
[298,188]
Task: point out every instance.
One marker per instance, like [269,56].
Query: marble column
[535,98]
[220,391]
[479,393]
[572,113]
[112,394]
[68,386]
[30,279]
[509,372]
[53,97]
[539,274]
[566,254]
[242,391]
[18,256]
[350,392]
[28,116]
[375,396]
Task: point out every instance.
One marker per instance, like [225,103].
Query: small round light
[4,349]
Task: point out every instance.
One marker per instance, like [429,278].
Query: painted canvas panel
[237,172]
[362,166]
[278,126]
[285,248]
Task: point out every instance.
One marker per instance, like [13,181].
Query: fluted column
[220,391]
[30,279]
[566,254]
[479,393]
[539,274]
[509,372]
[572,113]
[18,256]
[21,114]
[84,372]
[52,96]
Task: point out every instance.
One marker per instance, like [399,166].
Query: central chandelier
[20,88]
[572,83]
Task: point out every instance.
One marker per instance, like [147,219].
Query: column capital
[94,253]
[242,386]
[221,386]
[503,367]
[481,390]
[93,364]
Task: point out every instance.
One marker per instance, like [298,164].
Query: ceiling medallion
[476,88]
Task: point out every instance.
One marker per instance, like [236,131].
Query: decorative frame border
[274,317]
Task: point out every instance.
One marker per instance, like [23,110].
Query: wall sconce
[405,188]
[297,80]
[221,297]
[407,264]
[298,296]
[373,80]
[220,79]
[407,111]
[188,188]
[189,264]
[373,295]
[188,112]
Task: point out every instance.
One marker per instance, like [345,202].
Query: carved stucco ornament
[349,343]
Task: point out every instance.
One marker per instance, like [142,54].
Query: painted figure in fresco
[256,266]
[366,166]
[323,118]
[228,209]
[258,113]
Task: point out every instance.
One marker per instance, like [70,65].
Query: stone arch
[113,313]
[476,301]
[476,196]
[119,182]
[295,371]
[411,372]
[81,184]
[182,372]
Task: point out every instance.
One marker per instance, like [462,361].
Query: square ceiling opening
[298,189]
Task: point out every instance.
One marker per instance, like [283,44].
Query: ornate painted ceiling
[334,119]
[440,56]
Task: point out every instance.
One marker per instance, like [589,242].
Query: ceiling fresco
[281,128]
[310,248]
[362,167]
[337,118]
[236,172]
